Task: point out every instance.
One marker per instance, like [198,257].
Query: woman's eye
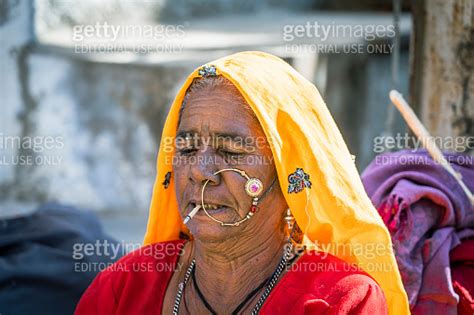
[231,153]
[187,151]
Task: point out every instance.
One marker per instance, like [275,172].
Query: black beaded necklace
[269,284]
[238,308]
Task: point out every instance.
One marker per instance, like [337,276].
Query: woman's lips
[210,208]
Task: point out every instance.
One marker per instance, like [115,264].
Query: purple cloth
[427,214]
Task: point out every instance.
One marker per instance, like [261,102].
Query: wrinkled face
[217,130]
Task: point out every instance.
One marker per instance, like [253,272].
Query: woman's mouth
[210,207]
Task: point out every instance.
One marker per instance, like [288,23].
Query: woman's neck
[227,272]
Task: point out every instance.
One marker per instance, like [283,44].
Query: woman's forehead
[223,109]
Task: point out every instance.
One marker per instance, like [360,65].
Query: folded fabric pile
[431,221]
[42,269]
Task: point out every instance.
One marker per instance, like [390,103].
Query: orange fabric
[335,213]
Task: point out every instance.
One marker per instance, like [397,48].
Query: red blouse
[317,283]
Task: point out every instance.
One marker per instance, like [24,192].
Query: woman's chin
[205,229]
[212,232]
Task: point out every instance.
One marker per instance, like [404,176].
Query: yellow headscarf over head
[335,212]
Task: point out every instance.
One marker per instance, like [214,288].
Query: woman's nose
[204,167]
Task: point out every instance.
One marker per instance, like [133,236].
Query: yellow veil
[335,212]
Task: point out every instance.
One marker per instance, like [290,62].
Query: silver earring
[290,220]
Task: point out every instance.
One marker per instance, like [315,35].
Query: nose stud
[253,187]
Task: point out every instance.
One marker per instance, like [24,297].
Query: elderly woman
[257,208]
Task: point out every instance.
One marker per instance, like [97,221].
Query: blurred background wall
[81,117]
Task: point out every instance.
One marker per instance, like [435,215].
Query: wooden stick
[426,140]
